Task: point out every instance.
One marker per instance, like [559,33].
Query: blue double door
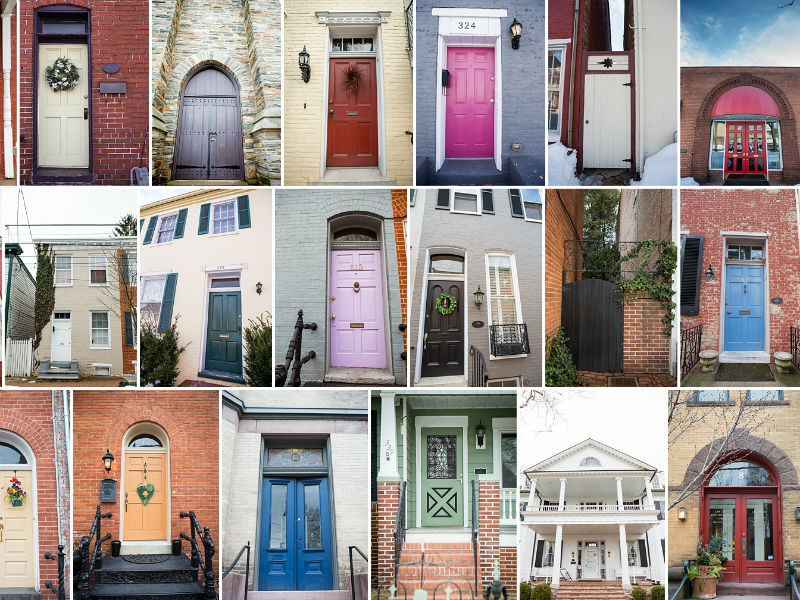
[296,544]
[744,308]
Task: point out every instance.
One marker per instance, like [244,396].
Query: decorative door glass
[759,529]
[722,519]
[442,456]
[294,457]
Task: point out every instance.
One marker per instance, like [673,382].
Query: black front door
[443,337]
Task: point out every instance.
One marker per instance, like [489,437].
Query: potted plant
[704,580]
[15,493]
[712,555]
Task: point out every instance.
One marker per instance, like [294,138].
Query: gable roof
[635,463]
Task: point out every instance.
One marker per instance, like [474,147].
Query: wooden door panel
[17,567]
[469,120]
[224,336]
[145,522]
[353,126]
[443,348]
[607,121]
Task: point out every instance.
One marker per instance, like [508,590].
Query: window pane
[533,210]
[64,27]
[166,228]
[502,303]
[313,516]
[465,202]
[63,269]
[100,329]
[722,516]
[225,282]
[294,457]
[553,105]
[277,517]
[10,455]
[717,145]
[773,145]
[145,440]
[97,268]
[152,292]
[442,456]
[508,456]
[741,473]
[224,217]
[759,529]
[710,396]
[444,263]
[756,253]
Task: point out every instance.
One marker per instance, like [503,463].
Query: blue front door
[296,546]
[744,308]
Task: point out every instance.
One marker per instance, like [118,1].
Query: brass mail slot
[352,113]
[356,326]
[744,312]
[224,335]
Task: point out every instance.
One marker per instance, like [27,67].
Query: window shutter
[151,227]
[691,272]
[488,201]
[205,209]
[516,203]
[128,328]
[643,554]
[181,224]
[243,202]
[443,199]
[141,224]
[537,561]
[167,302]
[123,262]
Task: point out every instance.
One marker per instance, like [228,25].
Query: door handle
[745,288]
[461,478]
[86,114]
[425,342]
[729,312]
[2,528]
[126,501]
[744,545]
[330,114]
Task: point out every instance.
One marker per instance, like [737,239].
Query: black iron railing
[409,10]
[245,548]
[352,574]
[794,594]
[399,531]
[295,353]
[88,559]
[508,340]
[598,259]
[206,562]
[691,339]
[685,585]
[61,592]
[475,530]
[794,344]
[478,373]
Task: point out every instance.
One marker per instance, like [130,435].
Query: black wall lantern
[516,33]
[259,288]
[108,458]
[478,297]
[305,68]
[709,274]
[480,433]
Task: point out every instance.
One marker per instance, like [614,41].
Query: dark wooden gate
[592,317]
[208,142]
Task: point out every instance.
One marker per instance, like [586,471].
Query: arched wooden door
[208,140]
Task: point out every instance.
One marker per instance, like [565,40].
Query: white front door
[591,564]
[607,124]
[61,346]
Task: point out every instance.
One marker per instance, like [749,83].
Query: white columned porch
[8,131]
[532,494]
[388,449]
[648,488]
[562,493]
[623,558]
[620,502]
[556,576]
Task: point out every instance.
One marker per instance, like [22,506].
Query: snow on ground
[685,181]
[561,163]
[659,169]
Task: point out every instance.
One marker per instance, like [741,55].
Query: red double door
[746,148]
[748,522]
[352,113]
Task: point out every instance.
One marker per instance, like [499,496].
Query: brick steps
[450,565]
[591,590]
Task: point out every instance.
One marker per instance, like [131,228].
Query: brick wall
[399,210]
[489,532]
[30,416]
[191,421]
[119,122]
[382,552]
[127,300]
[564,217]
[701,87]
[773,212]
[645,348]
[508,568]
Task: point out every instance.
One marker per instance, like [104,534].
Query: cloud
[712,23]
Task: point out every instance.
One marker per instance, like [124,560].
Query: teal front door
[442,477]
[224,335]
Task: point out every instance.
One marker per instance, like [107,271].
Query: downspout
[8,133]
[572,72]
[638,50]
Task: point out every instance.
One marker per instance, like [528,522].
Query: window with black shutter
[515,198]
[537,562]
[643,562]
[487,201]
[443,199]
[374,456]
[691,271]
[129,341]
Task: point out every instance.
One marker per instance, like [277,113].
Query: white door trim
[53,336]
[500,425]
[233,271]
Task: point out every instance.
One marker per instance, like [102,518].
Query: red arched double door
[741,507]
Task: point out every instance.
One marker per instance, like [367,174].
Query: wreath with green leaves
[62,75]
[446,304]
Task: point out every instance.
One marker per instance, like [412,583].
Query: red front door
[745,149]
[748,521]
[469,123]
[352,113]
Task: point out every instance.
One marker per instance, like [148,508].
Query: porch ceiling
[589,530]
[448,401]
[594,487]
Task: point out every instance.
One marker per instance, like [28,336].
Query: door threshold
[728,356]
[209,182]
[221,376]
[369,176]
[450,535]
[19,593]
[445,381]
[359,376]
[62,175]
[145,547]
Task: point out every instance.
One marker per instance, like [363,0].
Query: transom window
[100,336]
[555,65]
[224,218]
[225,282]
[166,228]
[295,457]
[9,455]
[61,315]
[355,234]
[352,44]
[447,263]
[145,440]
[741,473]
[98,269]
[742,252]
[152,294]
[63,269]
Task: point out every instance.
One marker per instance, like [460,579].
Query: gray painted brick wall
[302,263]
[523,76]
[477,235]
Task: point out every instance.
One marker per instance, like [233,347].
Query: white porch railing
[593,508]
[508,507]
[19,358]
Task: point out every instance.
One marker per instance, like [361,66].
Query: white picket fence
[19,358]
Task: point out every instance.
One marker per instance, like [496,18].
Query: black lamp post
[480,433]
[478,297]
[516,33]
[108,458]
[305,67]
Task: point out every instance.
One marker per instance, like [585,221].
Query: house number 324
[467,25]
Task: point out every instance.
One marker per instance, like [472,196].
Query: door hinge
[629,84]
[627,160]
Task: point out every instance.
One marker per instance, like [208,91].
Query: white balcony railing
[590,508]
[508,507]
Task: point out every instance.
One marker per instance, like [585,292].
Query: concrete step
[474,171]
[351,176]
[208,182]
[58,376]
[318,595]
[148,591]
[175,569]
[359,376]
[19,593]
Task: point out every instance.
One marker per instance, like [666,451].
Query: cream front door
[16,535]
[63,124]
[591,564]
[146,496]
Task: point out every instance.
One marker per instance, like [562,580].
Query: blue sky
[740,33]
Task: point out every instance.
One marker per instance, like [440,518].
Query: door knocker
[356,287]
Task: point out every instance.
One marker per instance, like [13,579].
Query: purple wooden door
[357,326]
[469,124]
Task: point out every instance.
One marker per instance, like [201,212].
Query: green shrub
[159,355]
[559,370]
[524,591]
[638,593]
[657,592]
[257,340]
[542,592]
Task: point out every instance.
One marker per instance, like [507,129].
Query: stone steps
[148,591]
[166,578]
[591,590]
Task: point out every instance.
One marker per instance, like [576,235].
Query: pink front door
[469,124]
[357,327]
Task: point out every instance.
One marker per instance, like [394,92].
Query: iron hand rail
[246,568]
[89,559]
[294,353]
[475,532]
[794,593]
[399,531]
[62,590]
[794,345]
[207,565]
[352,576]
[478,372]
[684,583]
[691,340]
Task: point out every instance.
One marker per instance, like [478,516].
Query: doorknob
[729,312]
[587,121]
[86,114]
[333,317]
[492,100]
[461,478]
[356,287]
[425,342]
[330,113]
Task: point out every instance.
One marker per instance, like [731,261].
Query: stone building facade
[238,45]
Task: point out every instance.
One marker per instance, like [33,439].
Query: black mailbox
[108,490]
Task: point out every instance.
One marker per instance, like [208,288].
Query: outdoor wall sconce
[573,555]
[478,297]
[797,513]
[682,513]
[609,555]
[108,458]
[305,68]
[516,33]
[709,274]
[259,288]
[480,434]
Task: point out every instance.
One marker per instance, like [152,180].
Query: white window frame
[637,560]
[101,366]
[515,380]
[92,345]
[156,233]
[525,209]
[132,274]
[71,271]
[724,142]
[515,283]
[143,282]
[105,268]
[235,217]
[780,145]
[555,135]
[465,190]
